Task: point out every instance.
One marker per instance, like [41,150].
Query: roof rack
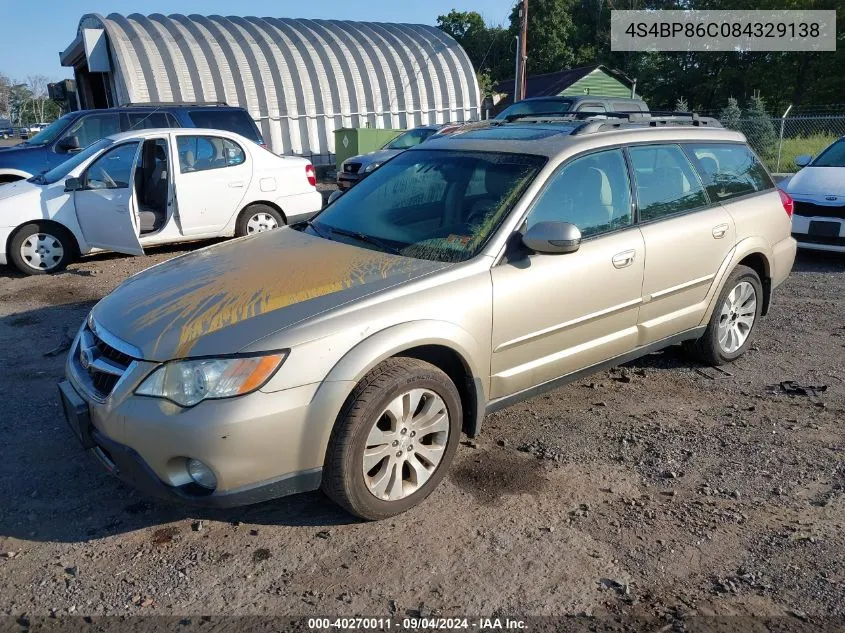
[565,116]
[634,120]
[172,104]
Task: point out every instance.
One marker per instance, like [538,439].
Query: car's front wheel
[394,440]
[728,334]
[40,248]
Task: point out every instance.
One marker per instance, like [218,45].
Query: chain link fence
[779,140]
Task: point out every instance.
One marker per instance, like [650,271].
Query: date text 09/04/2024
[419,623]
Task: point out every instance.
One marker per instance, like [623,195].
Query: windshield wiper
[367,239]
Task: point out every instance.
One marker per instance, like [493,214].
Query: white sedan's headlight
[189,382]
[372,167]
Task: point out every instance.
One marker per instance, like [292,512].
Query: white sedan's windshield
[57,173]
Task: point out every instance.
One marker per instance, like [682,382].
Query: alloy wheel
[406,444]
[736,318]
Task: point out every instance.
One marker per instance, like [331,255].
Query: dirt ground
[662,488]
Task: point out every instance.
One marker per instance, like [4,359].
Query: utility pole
[523,52]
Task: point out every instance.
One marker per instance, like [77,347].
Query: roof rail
[172,104]
[634,120]
[563,116]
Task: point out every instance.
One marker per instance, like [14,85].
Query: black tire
[343,476]
[707,349]
[58,233]
[241,227]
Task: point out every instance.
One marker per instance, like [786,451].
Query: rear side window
[729,170]
[150,120]
[666,182]
[200,153]
[237,121]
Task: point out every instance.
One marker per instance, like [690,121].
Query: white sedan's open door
[105,201]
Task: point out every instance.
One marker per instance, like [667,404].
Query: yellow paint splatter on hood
[218,287]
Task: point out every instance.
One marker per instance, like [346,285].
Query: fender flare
[394,340]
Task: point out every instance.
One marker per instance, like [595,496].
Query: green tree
[731,115]
[758,128]
[550,29]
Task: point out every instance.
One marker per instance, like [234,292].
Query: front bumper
[822,233]
[346,180]
[260,446]
[5,233]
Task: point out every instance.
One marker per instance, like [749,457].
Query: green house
[596,80]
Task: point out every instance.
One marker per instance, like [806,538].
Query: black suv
[76,130]
[559,105]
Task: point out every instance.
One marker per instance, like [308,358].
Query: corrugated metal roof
[555,83]
[300,79]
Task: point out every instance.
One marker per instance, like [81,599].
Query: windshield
[833,156]
[536,106]
[57,173]
[409,139]
[434,204]
[51,132]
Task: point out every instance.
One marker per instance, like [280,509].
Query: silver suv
[351,351]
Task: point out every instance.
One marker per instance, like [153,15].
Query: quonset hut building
[299,79]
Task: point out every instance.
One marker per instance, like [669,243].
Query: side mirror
[73,184]
[69,144]
[553,238]
[337,193]
[803,160]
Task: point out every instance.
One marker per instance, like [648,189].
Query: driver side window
[591,192]
[112,170]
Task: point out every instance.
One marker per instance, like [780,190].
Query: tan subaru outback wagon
[351,352]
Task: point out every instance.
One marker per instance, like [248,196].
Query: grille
[100,362]
[352,168]
[808,209]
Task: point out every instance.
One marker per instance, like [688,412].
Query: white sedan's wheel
[259,222]
[39,251]
[258,218]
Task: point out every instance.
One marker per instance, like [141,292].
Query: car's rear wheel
[40,248]
[394,440]
[729,332]
[258,218]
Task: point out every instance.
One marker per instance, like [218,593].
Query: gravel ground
[662,488]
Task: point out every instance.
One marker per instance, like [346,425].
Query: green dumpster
[350,142]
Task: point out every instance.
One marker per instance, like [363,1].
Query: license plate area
[824,229]
[77,414]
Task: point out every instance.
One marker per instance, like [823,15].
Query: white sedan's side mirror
[803,160]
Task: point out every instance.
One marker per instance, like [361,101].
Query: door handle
[623,259]
[236,185]
[720,231]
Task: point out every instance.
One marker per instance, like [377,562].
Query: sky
[31,36]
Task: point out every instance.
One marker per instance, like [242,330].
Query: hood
[16,151]
[220,299]
[17,188]
[375,157]
[818,182]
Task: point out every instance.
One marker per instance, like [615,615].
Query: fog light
[201,474]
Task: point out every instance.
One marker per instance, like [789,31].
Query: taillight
[311,175]
[787,202]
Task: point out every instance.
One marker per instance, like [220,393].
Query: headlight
[189,382]
[372,167]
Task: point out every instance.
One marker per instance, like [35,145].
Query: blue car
[76,130]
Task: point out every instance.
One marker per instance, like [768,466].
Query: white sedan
[151,187]
[818,222]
